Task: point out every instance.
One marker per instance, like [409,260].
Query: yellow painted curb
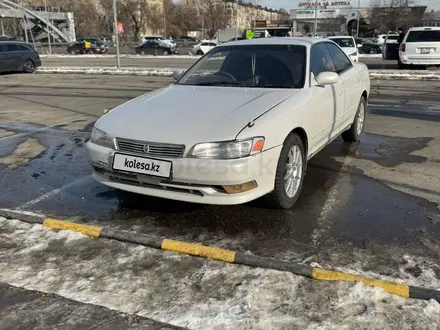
[93,231]
[198,250]
[329,275]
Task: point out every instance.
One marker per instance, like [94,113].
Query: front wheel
[373,51]
[355,131]
[290,174]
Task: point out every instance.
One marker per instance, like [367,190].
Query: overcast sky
[290,4]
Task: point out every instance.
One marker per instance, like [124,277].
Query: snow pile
[367,56]
[181,57]
[404,75]
[194,292]
[159,72]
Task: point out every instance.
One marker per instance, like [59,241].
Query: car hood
[189,114]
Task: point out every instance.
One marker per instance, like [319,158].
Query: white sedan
[348,45]
[204,47]
[240,124]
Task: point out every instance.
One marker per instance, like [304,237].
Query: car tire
[72,52]
[353,134]
[165,53]
[29,66]
[293,152]
[373,51]
[402,66]
[199,52]
[141,52]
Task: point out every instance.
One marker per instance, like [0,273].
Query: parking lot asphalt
[372,63]
[372,206]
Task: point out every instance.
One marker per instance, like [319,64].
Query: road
[373,63]
[371,207]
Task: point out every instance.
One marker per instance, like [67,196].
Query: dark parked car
[368,46]
[156,48]
[18,57]
[98,46]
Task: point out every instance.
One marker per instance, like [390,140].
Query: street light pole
[47,27]
[236,18]
[115,23]
[358,18]
[315,27]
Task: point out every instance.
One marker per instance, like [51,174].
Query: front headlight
[102,138]
[227,149]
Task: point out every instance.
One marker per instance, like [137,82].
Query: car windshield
[344,42]
[423,36]
[263,66]
[392,39]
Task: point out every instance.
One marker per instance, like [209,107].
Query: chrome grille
[152,149]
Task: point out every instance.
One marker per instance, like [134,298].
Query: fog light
[239,188]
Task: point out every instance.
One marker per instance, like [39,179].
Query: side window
[320,60]
[11,47]
[22,48]
[340,60]
[2,48]
[204,44]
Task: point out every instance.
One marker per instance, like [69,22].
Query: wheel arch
[301,132]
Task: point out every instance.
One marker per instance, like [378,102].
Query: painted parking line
[237,257]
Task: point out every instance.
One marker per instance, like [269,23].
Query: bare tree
[391,14]
[215,14]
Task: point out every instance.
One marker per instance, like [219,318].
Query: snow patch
[177,57]
[193,292]
[160,72]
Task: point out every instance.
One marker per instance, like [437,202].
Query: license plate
[425,50]
[142,165]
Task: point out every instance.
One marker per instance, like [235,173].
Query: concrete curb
[167,72]
[403,290]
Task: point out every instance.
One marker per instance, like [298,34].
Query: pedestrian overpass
[60,26]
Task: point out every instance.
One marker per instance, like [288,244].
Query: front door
[327,101]
[351,83]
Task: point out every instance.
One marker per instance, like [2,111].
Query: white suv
[420,46]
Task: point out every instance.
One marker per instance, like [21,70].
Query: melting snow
[193,292]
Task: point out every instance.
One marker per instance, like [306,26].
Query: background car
[98,46]
[18,57]
[156,48]
[186,41]
[204,47]
[170,42]
[390,47]
[348,45]
[420,46]
[380,39]
[368,46]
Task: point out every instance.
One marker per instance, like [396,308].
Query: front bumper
[193,180]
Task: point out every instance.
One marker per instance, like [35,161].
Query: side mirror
[177,73]
[327,78]
[359,45]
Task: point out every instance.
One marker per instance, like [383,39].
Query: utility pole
[236,23]
[47,27]
[358,18]
[315,27]
[115,28]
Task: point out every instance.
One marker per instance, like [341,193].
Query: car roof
[14,42]
[339,37]
[307,42]
[425,28]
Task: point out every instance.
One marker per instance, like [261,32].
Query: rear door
[12,57]
[352,82]
[424,43]
[2,58]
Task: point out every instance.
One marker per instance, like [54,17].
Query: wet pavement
[339,202]
[366,206]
